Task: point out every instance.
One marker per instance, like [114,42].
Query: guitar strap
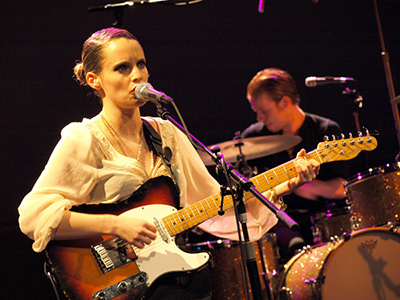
[156,141]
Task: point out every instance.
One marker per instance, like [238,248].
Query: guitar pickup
[112,253]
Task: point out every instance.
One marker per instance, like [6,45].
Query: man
[273,96]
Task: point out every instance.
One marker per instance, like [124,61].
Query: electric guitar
[106,267]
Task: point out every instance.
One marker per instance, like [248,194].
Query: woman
[108,157]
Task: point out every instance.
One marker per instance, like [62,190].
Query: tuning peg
[351,139]
[343,143]
[360,140]
[334,144]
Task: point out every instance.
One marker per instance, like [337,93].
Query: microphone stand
[388,73]
[243,184]
[357,104]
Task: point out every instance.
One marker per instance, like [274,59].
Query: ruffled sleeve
[67,179]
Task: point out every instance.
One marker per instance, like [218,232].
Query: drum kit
[356,254]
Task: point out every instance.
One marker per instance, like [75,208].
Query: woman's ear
[93,80]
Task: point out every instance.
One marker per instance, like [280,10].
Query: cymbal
[252,148]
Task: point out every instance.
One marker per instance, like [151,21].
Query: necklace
[117,138]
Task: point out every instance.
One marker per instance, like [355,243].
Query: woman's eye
[141,64]
[121,68]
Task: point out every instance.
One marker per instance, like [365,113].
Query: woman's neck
[126,123]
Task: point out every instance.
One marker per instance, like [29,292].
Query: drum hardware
[393,228]
[252,148]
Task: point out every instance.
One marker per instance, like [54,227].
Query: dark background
[203,55]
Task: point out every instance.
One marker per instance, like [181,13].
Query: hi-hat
[252,148]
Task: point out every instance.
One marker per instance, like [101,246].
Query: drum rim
[389,167]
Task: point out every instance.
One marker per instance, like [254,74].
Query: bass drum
[226,266]
[364,267]
[374,197]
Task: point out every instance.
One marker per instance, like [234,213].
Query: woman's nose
[137,76]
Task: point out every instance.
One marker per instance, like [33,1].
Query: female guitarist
[105,160]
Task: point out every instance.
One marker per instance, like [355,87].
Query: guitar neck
[328,151]
[205,209]
[273,177]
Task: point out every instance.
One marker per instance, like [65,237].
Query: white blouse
[85,168]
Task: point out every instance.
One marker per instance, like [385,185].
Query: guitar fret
[210,209]
[229,200]
[255,178]
[317,153]
[170,229]
[190,219]
[182,218]
[197,221]
[276,175]
[212,198]
[195,205]
[266,178]
[204,209]
[286,171]
[179,221]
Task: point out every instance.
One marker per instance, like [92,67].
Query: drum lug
[346,236]
[335,239]
[315,285]
[392,228]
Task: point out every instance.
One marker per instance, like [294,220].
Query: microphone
[313,81]
[145,92]
[111,6]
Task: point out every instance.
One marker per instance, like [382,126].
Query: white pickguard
[161,257]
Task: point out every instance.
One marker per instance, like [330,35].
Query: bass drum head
[367,266]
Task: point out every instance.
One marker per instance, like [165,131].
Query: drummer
[273,96]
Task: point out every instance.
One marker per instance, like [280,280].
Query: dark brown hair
[276,82]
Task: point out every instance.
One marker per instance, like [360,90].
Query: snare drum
[226,266]
[375,197]
[330,224]
[364,267]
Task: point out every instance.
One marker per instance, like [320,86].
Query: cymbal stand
[241,163]
[243,167]
[243,184]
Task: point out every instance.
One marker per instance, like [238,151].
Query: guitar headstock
[345,148]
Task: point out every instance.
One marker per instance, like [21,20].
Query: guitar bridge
[112,253]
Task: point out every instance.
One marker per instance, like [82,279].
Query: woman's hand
[137,232]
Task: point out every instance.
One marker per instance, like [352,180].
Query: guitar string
[159,240]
